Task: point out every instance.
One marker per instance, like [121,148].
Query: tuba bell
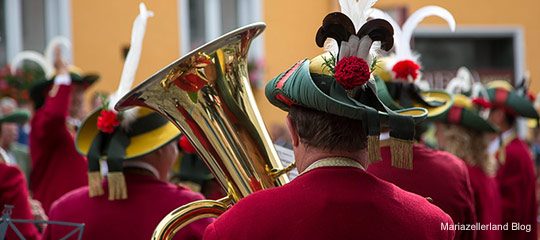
[207,95]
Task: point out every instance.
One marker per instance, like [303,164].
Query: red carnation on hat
[482,102]
[351,72]
[186,145]
[531,96]
[404,69]
[107,121]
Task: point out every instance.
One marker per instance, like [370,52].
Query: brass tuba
[207,95]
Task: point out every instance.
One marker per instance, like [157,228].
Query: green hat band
[406,92]
[465,117]
[114,145]
[400,95]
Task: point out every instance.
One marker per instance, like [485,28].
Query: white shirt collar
[384,136]
[142,165]
[496,143]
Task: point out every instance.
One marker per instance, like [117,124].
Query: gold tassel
[401,151]
[502,155]
[374,149]
[117,186]
[94,184]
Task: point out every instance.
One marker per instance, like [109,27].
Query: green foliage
[329,64]
[373,64]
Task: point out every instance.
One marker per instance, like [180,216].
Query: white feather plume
[479,90]
[463,82]
[49,50]
[376,13]
[133,56]
[330,45]
[31,56]
[356,10]
[403,49]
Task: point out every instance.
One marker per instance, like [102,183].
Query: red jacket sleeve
[51,117]
[470,209]
[210,233]
[15,193]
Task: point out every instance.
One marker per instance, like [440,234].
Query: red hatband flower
[404,69]
[107,121]
[482,102]
[351,72]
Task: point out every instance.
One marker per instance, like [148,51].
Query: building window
[29,25]
[489,54]
[201,21]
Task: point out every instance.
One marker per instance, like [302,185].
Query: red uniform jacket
[487,202]
[57,167]
[438,175]
[332,203]
[13,192]
[517,184]
[149,200]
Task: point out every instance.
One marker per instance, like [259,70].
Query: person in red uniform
[516,175]
[331,117]
[441,176]
[438,175]
[464,133]
[57,167]
[135,196]
[14,191]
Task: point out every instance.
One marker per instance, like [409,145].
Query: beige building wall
[102,28]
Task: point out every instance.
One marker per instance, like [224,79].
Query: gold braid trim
[502,155]
[374,150]
[94,184]
[502,148]
[117,186]
[401,151]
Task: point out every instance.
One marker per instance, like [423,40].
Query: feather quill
[377,13]
[133,56]
[403,49]
[31,56]
[356,10]
[462,83]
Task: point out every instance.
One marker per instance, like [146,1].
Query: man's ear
[292,130]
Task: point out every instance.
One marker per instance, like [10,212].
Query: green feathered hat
[502,94]
[463,112]
[342,84]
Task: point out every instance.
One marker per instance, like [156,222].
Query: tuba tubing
[184,215]
[207,95]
